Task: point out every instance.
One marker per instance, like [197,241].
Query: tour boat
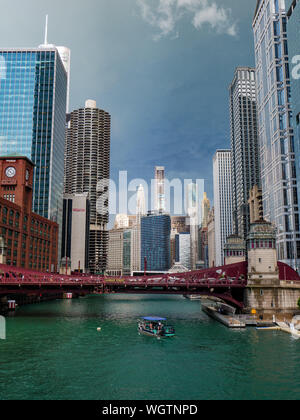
[155,327]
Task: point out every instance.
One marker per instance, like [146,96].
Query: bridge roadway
[226,283]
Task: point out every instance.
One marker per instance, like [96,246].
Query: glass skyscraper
[294,55]
[33,95]
[244,146]
[155,242]
[183,249]
[276,136]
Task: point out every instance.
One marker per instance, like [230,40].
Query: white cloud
[164,15]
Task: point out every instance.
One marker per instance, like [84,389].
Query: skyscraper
[65,55]
[183,249]
[244,146]
[33,93]
[136,230]
[193,217]
[276,135]
[222,201]
[205,210]
[155,241]
[87,168]
[115,258]
[294,56]
[159,193]
[211,238]
[75,233]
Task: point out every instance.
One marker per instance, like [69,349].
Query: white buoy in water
[99,329]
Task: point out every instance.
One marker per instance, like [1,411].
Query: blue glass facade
[33,94]
[155,242]
[294,55]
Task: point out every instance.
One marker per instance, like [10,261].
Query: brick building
[31,240]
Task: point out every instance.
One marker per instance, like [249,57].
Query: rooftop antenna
[46,31]
[46,45]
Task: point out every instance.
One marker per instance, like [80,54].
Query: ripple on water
[54,351]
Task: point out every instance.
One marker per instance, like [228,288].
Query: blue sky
[160,67]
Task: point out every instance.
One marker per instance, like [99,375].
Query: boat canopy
[154,318]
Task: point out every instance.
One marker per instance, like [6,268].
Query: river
[54,351]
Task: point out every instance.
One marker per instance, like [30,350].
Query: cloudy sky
[160,67]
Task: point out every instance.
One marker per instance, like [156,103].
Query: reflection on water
[54,351]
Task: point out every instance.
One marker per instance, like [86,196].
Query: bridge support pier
[281,301]
[266,291]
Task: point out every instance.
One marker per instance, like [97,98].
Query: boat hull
[154,333]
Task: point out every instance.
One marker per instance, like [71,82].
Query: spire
[45,44]
[46,31]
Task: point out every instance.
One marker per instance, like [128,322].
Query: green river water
[54,351]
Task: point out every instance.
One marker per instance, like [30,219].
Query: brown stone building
[31,241]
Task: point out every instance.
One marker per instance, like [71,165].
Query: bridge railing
[208,278]
[9,279]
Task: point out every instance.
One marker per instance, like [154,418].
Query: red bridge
[227,283]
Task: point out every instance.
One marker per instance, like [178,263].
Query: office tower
[205,210]
[31,240]
[115,252]
[65,55]
[75,233]
[155,241]
[179,224]
[276,136]
[222,201]
[87,168]
[135,248]
[119,260]
[294,56]
[203,246]
[193,215]
[183,249]
[33,92]
[159,189]
[256,205]
[244,146]
[136,230]
[211,238]
[127,252]
[203,233]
